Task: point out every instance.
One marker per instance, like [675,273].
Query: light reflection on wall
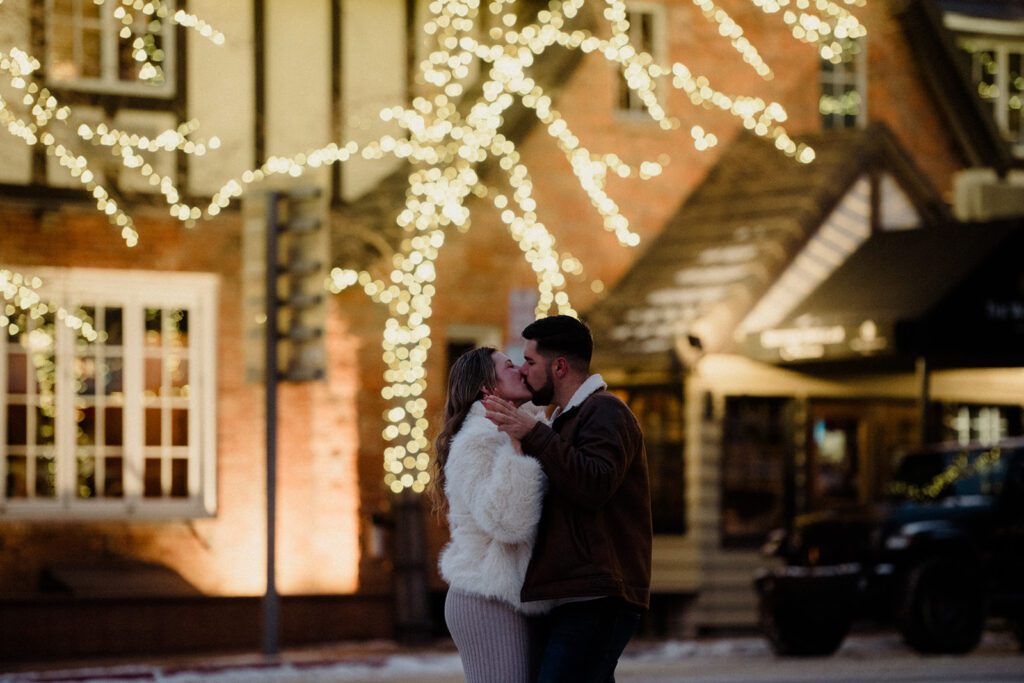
[319,499]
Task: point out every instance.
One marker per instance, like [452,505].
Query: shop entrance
[853,447]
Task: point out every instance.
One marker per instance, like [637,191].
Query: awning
[741,230]
[953,294]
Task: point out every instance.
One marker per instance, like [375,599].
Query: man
[593,549]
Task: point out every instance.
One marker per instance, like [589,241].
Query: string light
[961,468]
[43,110]
[728,27]
[444,143]
[828,25]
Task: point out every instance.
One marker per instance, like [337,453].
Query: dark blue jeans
[582,641]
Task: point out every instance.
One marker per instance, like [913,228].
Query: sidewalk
[439,663]
[344,661]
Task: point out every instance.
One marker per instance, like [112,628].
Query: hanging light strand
[445,141]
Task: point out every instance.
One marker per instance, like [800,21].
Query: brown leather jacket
[594,537]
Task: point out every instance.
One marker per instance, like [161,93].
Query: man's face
[536,371]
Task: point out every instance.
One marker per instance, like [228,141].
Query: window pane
[987,73]
[646,33]
[154,376]
[17,425]
[85,426]
[179,478]
[177,371]
[641,37]
[92,54]
[62,51]
[44,426]
[151,484]
[86,477]
[88,315]
[179,427]
[113,478]
[154,327]
[178,328]
[153,424]
[1015,82]
[113,376]
[112,325]
[127,66]
[17,373]
[984,71]
[85,375]
[46,477]
[17,477]
[113,428]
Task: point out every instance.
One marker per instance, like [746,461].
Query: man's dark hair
[562,335]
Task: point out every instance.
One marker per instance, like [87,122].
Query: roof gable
[744,226]
[896,210]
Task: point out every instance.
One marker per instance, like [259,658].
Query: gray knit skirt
[494,640]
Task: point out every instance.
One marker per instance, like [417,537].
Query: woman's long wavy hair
[472,371]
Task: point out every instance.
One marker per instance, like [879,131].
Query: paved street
[863,659]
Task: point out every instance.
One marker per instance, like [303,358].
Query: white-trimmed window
[646,34]
[843,100]
[997,69]
[116,424]
[995,56]
[84,49]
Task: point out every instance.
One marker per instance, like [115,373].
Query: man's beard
[545,394]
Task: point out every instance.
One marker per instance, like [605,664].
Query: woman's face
[510,383]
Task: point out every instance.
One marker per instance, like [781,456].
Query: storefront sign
[814,342]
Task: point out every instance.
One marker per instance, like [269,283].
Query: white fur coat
[495,495]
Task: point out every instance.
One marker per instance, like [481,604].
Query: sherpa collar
[589,386]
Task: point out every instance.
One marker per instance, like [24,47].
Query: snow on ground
[385,662]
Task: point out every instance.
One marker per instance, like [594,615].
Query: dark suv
[942,553]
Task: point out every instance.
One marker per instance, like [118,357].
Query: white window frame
[857,76]
[636,109]
[1003,36]
[108,82]
[134,292]
[1001,104]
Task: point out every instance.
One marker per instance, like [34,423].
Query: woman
[494,496]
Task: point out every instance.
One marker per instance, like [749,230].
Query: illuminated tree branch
[447,142]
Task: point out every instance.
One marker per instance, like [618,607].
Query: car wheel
[802,628]
[943,610]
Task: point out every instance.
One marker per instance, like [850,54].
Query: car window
[937,475]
